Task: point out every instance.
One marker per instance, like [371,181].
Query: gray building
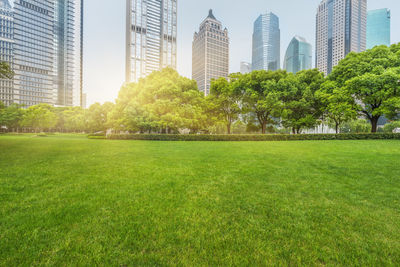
[151,33]
[298,55]
[378,27]
[266,43]
[46,52]
[341,29]
[210,53]
[245,67]
[68,52]
[6,49]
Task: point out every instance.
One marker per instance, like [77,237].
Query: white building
[151,32]
[210,53]
[341,29]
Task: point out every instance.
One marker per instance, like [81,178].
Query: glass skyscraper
[266,43]
[46,51]
[151,32]
[298,55]
[6,49]
[378,28]
[341,29]
[34,52]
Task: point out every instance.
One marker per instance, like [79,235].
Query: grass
[69,201]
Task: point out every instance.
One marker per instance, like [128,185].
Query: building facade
[210,53]
[266,43]
[341,29]
[245,67]
[6,49]
[151,37]
[298,56]
[378,28]
[47,52]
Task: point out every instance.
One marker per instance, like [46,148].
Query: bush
[277,137]
[390,127]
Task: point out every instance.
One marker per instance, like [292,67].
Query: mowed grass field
[70,201]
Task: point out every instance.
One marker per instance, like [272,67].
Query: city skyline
[104,62]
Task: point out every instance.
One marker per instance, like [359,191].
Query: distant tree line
[363,88]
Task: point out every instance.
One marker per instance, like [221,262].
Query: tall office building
[298,55]
[34,52]
[245,67]
[378,28]
[151,32]
[341,29]
[210,53]
[47,51]
[68,52]
[6,49]
[266,43]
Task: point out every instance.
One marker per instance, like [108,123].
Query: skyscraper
[151,32]
[68,39]
[210,53]
[46,51]
[266,43]
[6,49]
[245,67]
[298,55]
[34,52]
[341,29]
[378,28]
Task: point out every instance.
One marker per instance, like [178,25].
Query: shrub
[277,137]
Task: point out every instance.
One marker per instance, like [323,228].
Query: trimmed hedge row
[275,137]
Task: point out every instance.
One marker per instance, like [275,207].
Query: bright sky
[104,51]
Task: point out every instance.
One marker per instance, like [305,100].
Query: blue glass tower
[6,49]
[378,28]
[298,55]
[266,43]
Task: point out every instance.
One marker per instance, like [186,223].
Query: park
[66,200]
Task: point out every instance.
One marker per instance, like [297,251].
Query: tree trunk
[228,128]
[374,123]
[294,130]
[264,128]
[337,128]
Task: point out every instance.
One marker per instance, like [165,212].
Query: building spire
[211,15]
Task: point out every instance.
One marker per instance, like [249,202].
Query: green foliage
[390,127]
[162,102]
[5,71]
[373,79]
[224,101]
[243,137]
[261,96]
[97,117]
[302,107]
[39,117]
[337,105]
[356,126]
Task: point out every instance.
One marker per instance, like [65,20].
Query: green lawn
[68,201]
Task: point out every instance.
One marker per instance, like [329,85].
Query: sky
[104,34]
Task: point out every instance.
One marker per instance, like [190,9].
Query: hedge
[275,137]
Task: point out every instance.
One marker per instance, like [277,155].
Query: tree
[372,78]
[338,106]
[74,119]
[260,95]
[5,71]
[40,117]
[226,100]
[164,102]
[97,116]
[302,107]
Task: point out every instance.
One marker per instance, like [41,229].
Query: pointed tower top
[211,15]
